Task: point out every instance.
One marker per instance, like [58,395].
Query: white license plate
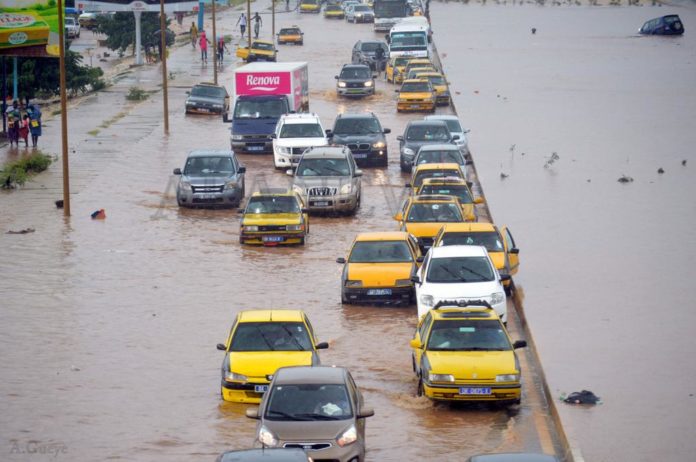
[260,388]
[360,156]
[379,292]
[202,109]
[255,148]
[321,204]
[474,391]
[273,238]
[206,196]
[414,106]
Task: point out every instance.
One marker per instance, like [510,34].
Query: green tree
[42,76]
[120,30]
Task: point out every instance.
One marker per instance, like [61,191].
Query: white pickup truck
[72,28]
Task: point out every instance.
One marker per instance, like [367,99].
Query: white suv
[293,135]
[459,273]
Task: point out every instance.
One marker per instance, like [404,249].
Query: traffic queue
[441,256]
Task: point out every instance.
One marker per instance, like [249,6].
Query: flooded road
[108,328]
[606,266]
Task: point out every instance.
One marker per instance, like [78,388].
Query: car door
[421,335]
[355,57]
[356,181]
[358,403]
[511,251]
[422,271]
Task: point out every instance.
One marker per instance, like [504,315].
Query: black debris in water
[582,397]
[684,162]
[59,204]
[503,175]
[533,30]
[660,170]
[625,179]
[22,231]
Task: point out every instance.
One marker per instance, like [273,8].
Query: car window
[509,241]
[380,252]
[423,329]
[271,336]
[208,92]
[209,166]
[414,245]
[323,167]
[460,269]
[490,239]
[304,130]
[441,156]
[355,73]
[272,204]
[461,192]
[311,329]
[467,335]
[309,402]
[431,212]
[357,126]
[428,133]
[415,87]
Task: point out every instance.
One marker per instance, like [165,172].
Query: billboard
[104,6]
[29,28]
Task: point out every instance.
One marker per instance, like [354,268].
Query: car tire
[344,300]
[385,162]
[302,241]
[510,288]
[419,389]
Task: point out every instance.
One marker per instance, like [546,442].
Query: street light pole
[215,45]
[249,25]
[273,21]
[163,41]
[63,110]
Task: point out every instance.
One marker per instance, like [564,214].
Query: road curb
[571,451]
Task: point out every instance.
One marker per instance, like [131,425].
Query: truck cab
[254,119]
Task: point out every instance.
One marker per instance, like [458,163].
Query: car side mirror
[241,169]
[177,171]
[358,173]
[399,216]
[415,343]
[322,346]
[273,136]
[400,138]
[221,347]
[505,277]
[386,131]
[519,344]
[478,200]
[514,251]
[253,413]
[289,172]
[366,412]
[420,259]
[341,260]
[336,77]
[415,279]
[305,210]
[455,137]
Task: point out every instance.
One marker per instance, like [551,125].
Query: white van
[409,38]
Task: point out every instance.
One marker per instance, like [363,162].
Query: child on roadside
[24,130]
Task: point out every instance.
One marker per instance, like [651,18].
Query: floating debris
[59,204]
[660,170]
[625,179]
[554,157]
[512,148]
[684,162]
[533,30]
[22,231]
[503,175]
[98,214]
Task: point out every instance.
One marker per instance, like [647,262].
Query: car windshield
[402,40]
[309,2]
[333,8]
[69,21]
[355,73]
[453,126]
[323,167]
[460,269]
[434,212]
[262,46]
[380,252]
[271,336]
[209,165]
[415,87]
[490,240]
[428,133]
[468,335]
[461,192]
[208,92]
[290,32]
[273,204]
[308,402]
[361,126]
[361,8]
[440,156]
[309,130]
[255,109]
[422,175]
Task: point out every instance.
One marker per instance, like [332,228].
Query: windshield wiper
[314,416]
[299,345]
[265,340]
[455,276]
[476,273]
[288,416]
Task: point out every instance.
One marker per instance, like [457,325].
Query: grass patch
[17,172]
[114,119]
[94,132]
[55,112]
[137,94]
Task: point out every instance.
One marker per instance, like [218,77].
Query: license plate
[273,238]
[414,106]
[260,388]
[360,156]
[206,196]
[202,109]
[474,391]
[321,203]
[255,148]
[379,292]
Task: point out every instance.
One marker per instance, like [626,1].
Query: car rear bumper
[258,238]
[414,106]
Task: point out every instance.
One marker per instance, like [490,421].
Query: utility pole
[249,25]
[273,22]
[215,45]
[63,110]
[163,38]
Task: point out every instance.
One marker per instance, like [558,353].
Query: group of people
[23,121]
[220,47]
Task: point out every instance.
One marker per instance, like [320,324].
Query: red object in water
[99,214]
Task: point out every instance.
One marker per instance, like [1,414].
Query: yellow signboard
[29,28]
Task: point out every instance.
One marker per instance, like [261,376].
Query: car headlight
[185,186]
[353,283]
[294,227]
[346,188]
[380,145]
[427,300]
[497,297]
[190,103]
[250,228]
[231,376]
[440,377]
[217,105]
[347,437]
[232,184]
[282,150]
[342,84]
[408,152]
[403,283]
[368,84]
[237,137]
[267,437]
[507,378]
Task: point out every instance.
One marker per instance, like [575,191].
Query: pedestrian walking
[24,130]
[257,24]
[34,123]
[13,120]
[221,47]
[379,59]
[203,43]
[242,23]
[194,34]
[287,5]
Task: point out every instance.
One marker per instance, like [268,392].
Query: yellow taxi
[310,6]
[379,268]
[260,342]
[434,170]
[462,352]
[334,11]
[290,35]
[413,73]
[395,68]
[417,62]
[499,243]
[274,217]
[416,95]
[261,50]
[437,80]
[423,216]
[456,187]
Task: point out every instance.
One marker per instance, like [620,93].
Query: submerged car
[462,352]
[423,216]
[379,268]
[210,178]
[355,80]
[261,50]
[665,25]
[416,95]
[318,409]
[207,98]
[291,35]
[260,342]
[418,133]
[363,135]
[328,179]
[274,217]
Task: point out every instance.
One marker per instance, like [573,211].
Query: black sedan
[206,98]
[363,135]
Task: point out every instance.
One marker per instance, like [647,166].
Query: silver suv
[328,179]
[210,178]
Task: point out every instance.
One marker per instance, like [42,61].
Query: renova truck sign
[262,83]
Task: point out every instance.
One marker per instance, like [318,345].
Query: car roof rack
[462,304]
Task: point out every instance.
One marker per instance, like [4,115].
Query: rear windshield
[461,192]
[434,213]
[271,336]
[420,176]
[380,252]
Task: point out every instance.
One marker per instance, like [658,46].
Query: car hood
[254,126]
[264,219]
[300,142]
[379,274]
[468,290]
[424,229]
[263,363]
[206,180]
[204,99]
[321,430]
[321,181]
[367,138]
[467,365]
